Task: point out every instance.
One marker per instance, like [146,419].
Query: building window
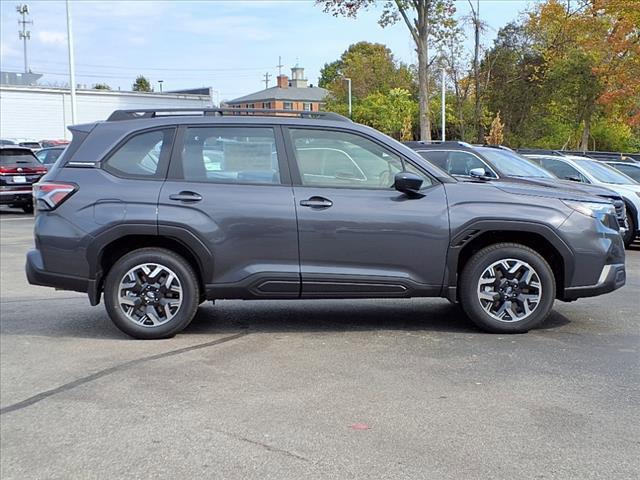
[251,105]
[288,105]
[306,106]
[266,105]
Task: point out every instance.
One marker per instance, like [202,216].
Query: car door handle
[316,202]
[185,196]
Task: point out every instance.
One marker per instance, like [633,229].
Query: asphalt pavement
[404,389]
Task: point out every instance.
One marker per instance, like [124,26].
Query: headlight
[591,209]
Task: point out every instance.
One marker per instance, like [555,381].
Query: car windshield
[10,156]
[513,165]
[604,173]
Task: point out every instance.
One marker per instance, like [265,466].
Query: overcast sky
[228,45]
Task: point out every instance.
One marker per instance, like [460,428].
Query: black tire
[190,292]
[470,281]
[28,208]
[630,234]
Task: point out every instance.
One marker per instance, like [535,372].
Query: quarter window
[338,159]
[230,155]
[139,157]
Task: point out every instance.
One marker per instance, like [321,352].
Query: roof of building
[308,94]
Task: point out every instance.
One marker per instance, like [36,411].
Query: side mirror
[478,173]
[407,182]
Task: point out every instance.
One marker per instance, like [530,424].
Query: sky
[226,45]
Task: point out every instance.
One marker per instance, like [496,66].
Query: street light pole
[160,83]
[443,105]
[72,67]
[348,80]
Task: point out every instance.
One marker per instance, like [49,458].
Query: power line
[181,69]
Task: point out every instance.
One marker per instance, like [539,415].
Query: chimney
[283,81]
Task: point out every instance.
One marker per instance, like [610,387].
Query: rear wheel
[151,293]
[507,288]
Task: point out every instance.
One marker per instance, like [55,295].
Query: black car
[464,160]
[19,170]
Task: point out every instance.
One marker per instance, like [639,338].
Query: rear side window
[230,155]
[140,156]
[17,156]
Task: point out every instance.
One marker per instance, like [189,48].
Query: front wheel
[630,234]
[507,288]
[151,293]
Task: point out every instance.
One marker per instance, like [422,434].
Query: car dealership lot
[315,389]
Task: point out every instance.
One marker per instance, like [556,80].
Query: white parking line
[15,219]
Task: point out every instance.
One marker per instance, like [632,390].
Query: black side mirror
[408,183]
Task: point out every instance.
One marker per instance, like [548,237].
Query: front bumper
[613,276]
[37,275]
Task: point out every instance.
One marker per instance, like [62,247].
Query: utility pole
[160,85]
[24,34]
[443,105]
[72,67]
[267,76]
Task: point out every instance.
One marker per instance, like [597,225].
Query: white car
[587,170]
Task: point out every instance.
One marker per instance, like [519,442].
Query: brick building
[288,94]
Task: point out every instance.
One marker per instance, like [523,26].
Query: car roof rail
[133,114]
[450,143]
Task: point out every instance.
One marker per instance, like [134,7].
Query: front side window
[456,162]
[139,156]
[338,159]
[563,170]
[230,155]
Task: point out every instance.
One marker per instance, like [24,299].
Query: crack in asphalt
[266,446]
[117,368]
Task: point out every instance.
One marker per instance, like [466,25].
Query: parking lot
[316,389]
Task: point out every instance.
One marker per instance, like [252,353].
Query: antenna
[279,66]
[24,34]
[267,76]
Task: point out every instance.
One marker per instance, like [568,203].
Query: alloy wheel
[509,290]
[150,294]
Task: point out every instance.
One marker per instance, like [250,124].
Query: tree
[142,84]
[428,21]
[371,68]
[101,86]
[495,136]
[391,113]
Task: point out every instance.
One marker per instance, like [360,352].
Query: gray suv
[161,210]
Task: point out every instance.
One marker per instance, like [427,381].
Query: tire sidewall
[188,281]
[476,266]
[630,234]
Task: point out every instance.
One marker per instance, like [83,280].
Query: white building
[45,112]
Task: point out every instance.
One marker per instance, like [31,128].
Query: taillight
[49,195]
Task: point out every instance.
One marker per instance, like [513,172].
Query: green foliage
[392,113]
[101,86]
[371,68]
[142,84]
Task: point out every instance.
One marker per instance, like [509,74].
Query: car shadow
[313,316]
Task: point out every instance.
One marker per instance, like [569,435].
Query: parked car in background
[26,142]
[48,156]
[308,205]
[588,171]
[54,143]
[19,170]
[466,161]
[629,169]
[6,141]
